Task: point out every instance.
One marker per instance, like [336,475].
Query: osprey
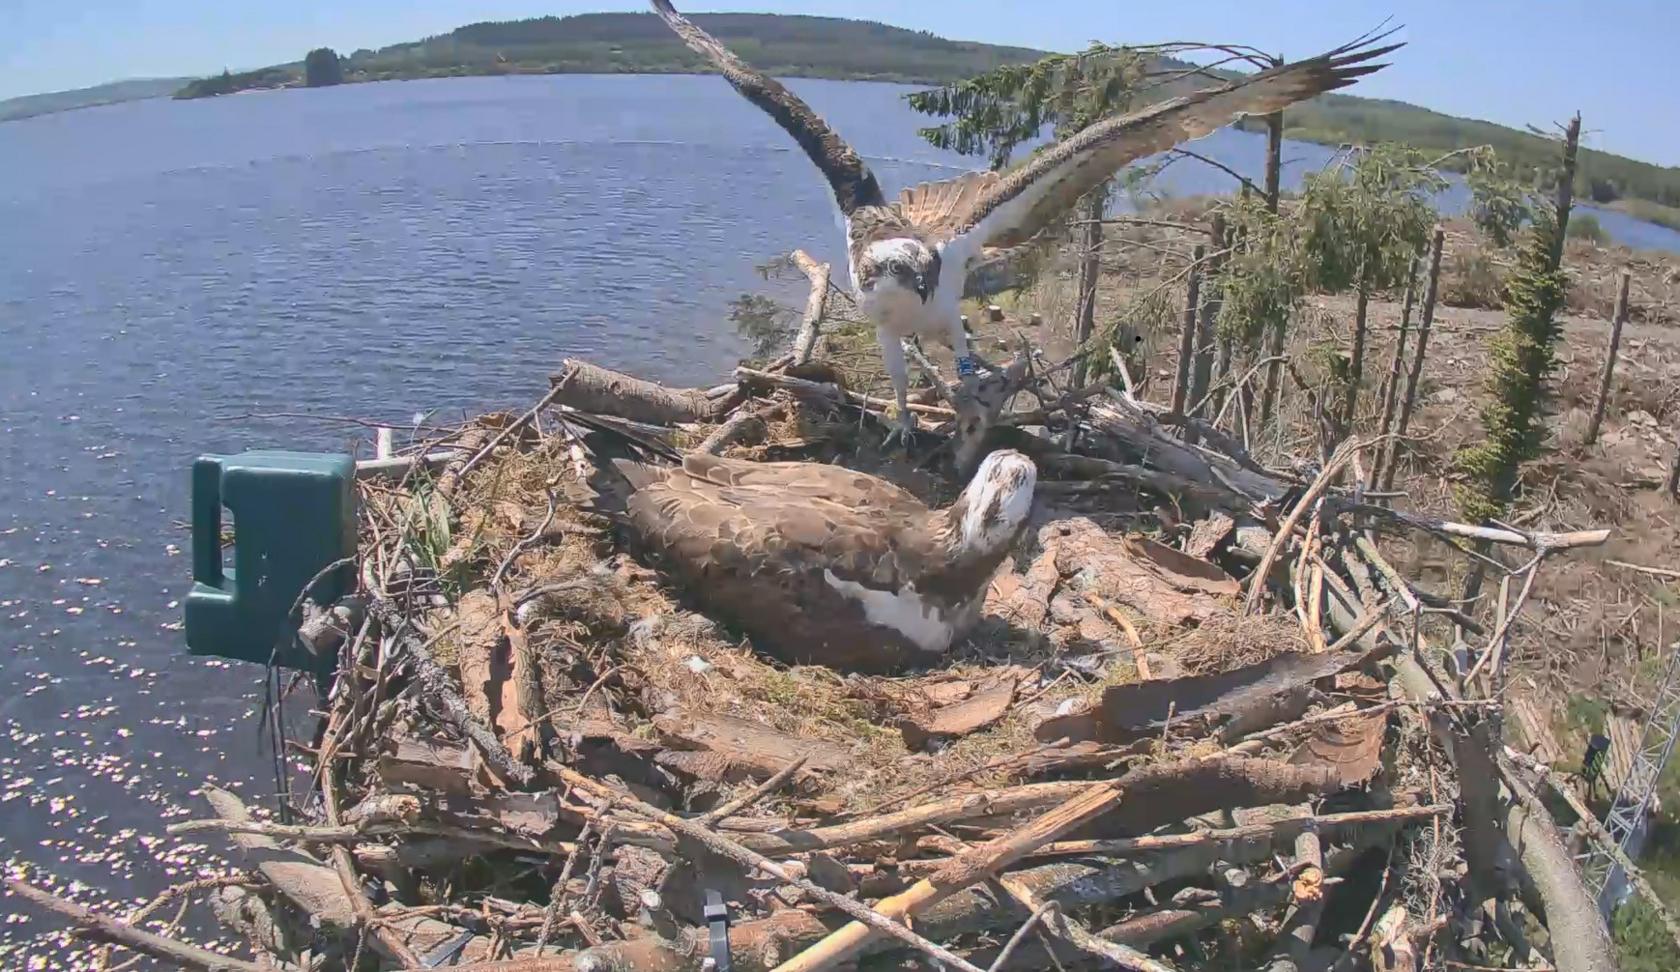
[910,258]
[823,565]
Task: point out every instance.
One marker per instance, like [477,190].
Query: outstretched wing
[853,184]
[1023,201]
[940,208]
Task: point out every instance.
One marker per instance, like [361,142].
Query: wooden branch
[720,844]
[1270,832]
[1391,386]
[1201,372]
[510,429]
[1616,322]
[101,928]
[1662,572]
[1029,796]
[1080,937]
[971,867]
[1245,181]
[724,811]
[590,388]
[438,692]
[744,424]
[1020,935]
[1415,373]
[829,393]
[1465,531]
[805,343]
[1495,651]
[1286,531]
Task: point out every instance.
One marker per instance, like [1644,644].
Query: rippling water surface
[175,274]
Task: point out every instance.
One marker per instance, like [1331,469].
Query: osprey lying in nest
[824,565]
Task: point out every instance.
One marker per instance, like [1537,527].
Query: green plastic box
[294,513]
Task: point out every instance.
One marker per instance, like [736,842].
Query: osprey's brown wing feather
[768,518]
[853,184]
[940,208]
[805,480]
[1027,198]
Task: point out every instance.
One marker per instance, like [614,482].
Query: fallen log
[591,388]
[1589,821]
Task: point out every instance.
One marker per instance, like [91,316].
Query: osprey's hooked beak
[923,286]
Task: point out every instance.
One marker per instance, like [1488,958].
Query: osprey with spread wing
[910,258]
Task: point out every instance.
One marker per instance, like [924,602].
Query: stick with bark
[971,867]
[1343,455]
[805,344]
[1619,319]
[112,931]
[440,694]
[722,845]
[1080,937]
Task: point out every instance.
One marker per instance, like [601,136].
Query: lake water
[174,274]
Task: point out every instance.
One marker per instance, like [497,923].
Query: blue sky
[1513,62]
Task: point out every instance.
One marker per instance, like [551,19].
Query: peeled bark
[590,388]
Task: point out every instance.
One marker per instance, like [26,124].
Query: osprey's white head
[899,265]
[995,505]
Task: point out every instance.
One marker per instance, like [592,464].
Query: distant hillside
[99,94]
[1646,191]
[800,46]
[634,43]
[828,47]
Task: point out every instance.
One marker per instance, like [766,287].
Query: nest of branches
[1204,723]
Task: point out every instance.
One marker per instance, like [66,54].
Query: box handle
[207,521]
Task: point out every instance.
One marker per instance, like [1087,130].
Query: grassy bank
[1602,177]
[1651,212]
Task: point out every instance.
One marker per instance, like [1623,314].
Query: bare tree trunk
[1391,385]
[1274,369]
[1202,373]
[1566,188]
[1089,267]
[1187,339]
[1356,356]
[1616,323]
[1674,470]
[1223,374]
[1410,399]
[1274,153]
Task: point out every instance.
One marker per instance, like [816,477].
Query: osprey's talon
[902,431]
